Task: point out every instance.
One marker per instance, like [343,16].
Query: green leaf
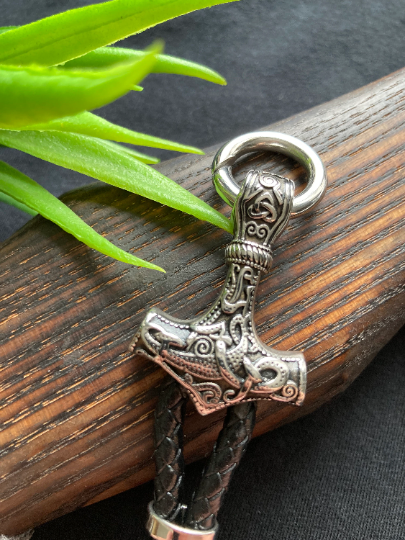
[67,35]
[39,94]
[107,56]
[145,158]
[25,190]
[7,28]
[97,159]
[87,123]
[13,202]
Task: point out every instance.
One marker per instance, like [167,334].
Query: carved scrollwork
[203,346]
[210,392]
[290,391]
[260,231]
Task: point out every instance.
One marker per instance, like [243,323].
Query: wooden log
[76,407]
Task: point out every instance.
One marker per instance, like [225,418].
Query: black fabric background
[338,474]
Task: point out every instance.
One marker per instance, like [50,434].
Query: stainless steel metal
[218,356]
[161,529]
[259,141]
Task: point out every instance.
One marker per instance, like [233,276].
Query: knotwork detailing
[218,357]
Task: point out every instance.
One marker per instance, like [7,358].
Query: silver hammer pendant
[218,357]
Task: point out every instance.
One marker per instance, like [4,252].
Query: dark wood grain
[76,407]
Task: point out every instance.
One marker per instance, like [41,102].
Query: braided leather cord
[226,455]
[169,417]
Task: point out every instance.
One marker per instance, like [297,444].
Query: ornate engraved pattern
[218,357]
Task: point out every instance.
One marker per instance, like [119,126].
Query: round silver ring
[259,141]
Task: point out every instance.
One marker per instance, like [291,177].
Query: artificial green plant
[53,72]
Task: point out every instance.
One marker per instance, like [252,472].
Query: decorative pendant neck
[262,210]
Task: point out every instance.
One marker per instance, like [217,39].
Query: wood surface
[76,407]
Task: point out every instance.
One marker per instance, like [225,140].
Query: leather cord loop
[227,452]
[169,462]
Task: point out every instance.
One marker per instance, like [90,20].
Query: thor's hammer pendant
[218,357]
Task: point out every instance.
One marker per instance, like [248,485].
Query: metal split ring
[259,141]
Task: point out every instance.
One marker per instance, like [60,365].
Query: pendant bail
[259,141]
